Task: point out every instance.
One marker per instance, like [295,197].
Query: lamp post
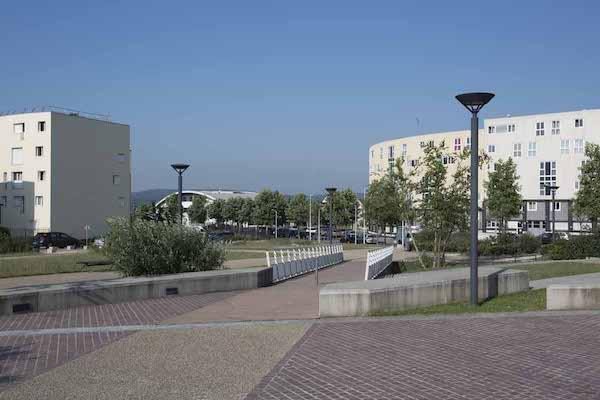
[331,191]
[355,221]
[310,217]
[364,211]
[319,225]
[553,190]
[275,223]
[474,102]
[180,169]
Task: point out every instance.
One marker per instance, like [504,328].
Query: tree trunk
[594,225]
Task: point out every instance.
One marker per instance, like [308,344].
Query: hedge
[502,244]
[578,247]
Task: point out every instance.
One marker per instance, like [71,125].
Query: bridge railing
[377,261]
[289,263]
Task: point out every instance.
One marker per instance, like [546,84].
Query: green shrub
[150,248]
[508,244]
[578,247]
[10,244]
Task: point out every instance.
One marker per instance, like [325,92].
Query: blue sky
[290,95]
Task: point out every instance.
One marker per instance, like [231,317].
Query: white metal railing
[293,262]
[377,261]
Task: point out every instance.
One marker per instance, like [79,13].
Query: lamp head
[331,190]
[180,168]
[474,102]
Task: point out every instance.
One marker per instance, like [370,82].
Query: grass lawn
[241,255]
[532,300]
[49,264]
[557,268]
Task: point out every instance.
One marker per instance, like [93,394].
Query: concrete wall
[356,299]
[573,297]
[85,158]
[56,297]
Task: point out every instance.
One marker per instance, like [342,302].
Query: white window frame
[39,151]
[556,206]
[39,201]
[512,128]
[556,127]
[404,150]
[564,146]
[547,179]
[491,148]
[16,174]
[391,152]
[539,128]
[532,149]
[532,206]
[41,126]
[19,127]
[578,146]
[578,122]
[41,176]
[457,144]
[517,150]
[491,129]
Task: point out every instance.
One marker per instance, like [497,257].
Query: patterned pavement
[547,357]
[24,356]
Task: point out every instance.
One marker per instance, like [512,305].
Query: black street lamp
[552,189]
[331,191]
[180,169]
[474,102]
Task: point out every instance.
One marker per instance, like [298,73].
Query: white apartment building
[61,172]
[547,148]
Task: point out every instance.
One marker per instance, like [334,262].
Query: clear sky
[290,94]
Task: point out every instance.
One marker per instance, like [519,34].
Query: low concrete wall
[61,296]
[573,297]
[412,290]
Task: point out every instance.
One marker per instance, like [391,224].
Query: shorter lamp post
[331,191]
[180,169]
[553,190]
[275,223]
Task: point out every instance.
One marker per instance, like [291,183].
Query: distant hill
[149,196]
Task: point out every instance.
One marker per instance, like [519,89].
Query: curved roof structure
[213,195]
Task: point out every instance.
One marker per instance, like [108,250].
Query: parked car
[546,237]
[54,239]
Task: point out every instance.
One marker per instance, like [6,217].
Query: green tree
[170,209]
[297,210]
[504,201]
[442,201]
[246,211]
[215,211]
[344,203]
[587,201]
[144,211]
[266,202]
[197,212]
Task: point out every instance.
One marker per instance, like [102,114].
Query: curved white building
[547,148]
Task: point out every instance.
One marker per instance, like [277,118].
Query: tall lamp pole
[310,217]
[275,224]
[180,169]
[364,211]
[331,191]
[553,190]
[474,102]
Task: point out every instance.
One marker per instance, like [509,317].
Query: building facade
[548,149]
[62,172]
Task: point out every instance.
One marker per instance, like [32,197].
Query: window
[445,159]
[511,128]
[491,129]
[556,127]
[531,149]
[556,206]
[547,176]
[4,201]
[17,155]
[372,153]
[579,123]
[41,175]
[539,129]
[491,148]
[39,200]
[404,150]
[17,176]
[116,179]
[41,126]
[19,202]
[413,163]
[391,152]
[578,146]
[5,177]
[457,144]
[381,153]
[564,146]
[468,145]
[19,128]
[391,165]
[517,150]
[39,151]
[531,206]
[122,202]
[576,185]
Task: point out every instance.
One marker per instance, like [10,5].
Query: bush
[578,247]
[458,242]
[150,248]
[502,244]
[10,244]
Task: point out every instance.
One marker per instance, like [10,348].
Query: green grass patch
[273,244]
[26,265]
[554,269]
[359,246]
[532,300]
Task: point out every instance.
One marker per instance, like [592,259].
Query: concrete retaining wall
[573,297]
[61,296]
[416,290]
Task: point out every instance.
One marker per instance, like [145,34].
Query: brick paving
[548,357]
[23,356]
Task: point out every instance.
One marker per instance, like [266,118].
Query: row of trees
[438,197]
[260,210]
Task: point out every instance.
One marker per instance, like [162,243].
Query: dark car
[54,239]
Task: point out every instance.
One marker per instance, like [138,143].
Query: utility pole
[310,217]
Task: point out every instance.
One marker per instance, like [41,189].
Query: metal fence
[293,262]
[377,261]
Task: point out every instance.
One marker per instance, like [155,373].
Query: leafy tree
[215,211]
[144,211]
[170,210]
[504,201]
[388,201]
[344,203]
[297,210]
[197,212]
[443,198]
[246,211]
[266,202]
[587,197]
